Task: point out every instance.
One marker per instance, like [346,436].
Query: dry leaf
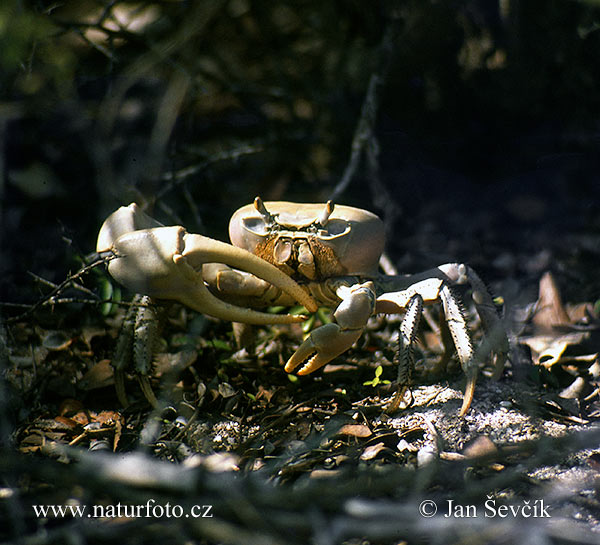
[89,332]
[56,340]
[174,363]
[226,389]
[264,393]
[355,430]
[576,390]
[70,406]
[99,375]
[547,350]
[69,422]
[479,447]
[107,418]
[550,311]
[372,451]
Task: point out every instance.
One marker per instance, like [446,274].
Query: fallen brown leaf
[550,311]
[372,451]
[355,430]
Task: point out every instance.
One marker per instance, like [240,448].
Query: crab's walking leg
[146,332]
[123,354]
[431,290]
[136,344]
[460,335]
[495,341]
[404,356]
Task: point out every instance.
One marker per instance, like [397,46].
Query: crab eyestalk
[324,217]
[262,210]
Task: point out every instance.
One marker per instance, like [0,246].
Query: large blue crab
[285,253]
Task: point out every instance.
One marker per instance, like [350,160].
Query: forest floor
[284,459]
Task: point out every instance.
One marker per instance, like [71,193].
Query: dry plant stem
[174,178]
[365,128]
[50,298]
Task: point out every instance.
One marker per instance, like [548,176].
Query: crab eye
[334,228]
[256,226]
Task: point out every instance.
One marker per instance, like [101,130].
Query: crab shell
[310,240]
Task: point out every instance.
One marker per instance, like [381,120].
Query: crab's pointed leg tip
[469,392]
[499,363]
[120,387]
[147,390]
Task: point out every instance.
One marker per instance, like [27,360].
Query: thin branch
[51,298]
[365,128]
[180,176]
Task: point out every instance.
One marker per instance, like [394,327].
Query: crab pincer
[166,263]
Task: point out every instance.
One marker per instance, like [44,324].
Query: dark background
[487,126]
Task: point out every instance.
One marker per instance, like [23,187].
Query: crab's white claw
[323,344]
[166,263]
[122,221]
[331,340]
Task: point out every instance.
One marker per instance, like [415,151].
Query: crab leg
[495,340]
[125,219]
[404,356]
[460,335]
[166,263]
[430,290]
[200,250]
[135,345]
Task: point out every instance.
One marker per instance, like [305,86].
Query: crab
[285,253]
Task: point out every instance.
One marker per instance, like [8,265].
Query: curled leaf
[56,340]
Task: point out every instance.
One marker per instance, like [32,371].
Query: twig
[181,175]
[365,128]
[50,298]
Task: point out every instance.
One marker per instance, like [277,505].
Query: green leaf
[309,324]
[107,291]
[220,345]
[324,314]
[376,381]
